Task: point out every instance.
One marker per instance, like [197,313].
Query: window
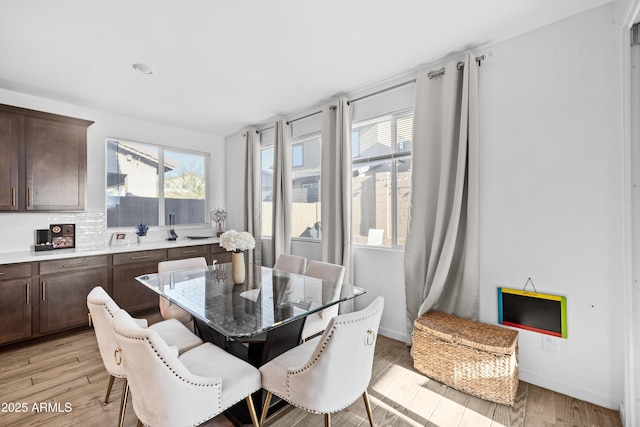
[266,184]
[305,194]
[138,193]
[381,149]
[305,187]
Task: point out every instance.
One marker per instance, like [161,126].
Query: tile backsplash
[18,229]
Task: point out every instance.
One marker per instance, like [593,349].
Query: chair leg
[265,408]
[252,412]
[123,402]
[327,420]
[367,404]
[106,398]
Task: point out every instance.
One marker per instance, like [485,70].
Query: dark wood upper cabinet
[11,137]
[47,169]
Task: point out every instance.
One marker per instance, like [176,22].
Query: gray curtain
[335,188]
[441,252]
[281,218]
[252,192]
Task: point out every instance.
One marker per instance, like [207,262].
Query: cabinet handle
[189,252]
[44,290]
[13,196]
[140,257]
[29,197]
[1,274]
[28,293]
[75,265]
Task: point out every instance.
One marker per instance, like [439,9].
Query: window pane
[132,184]
[403,173]
[184,187]
[266,183]
[372,202]
[372,138]
[404,129]
[305,209]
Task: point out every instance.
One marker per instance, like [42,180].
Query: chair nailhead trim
[169,367]
[313,362]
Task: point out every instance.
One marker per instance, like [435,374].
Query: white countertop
[30,256]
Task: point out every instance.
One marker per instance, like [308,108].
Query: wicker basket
[475,358]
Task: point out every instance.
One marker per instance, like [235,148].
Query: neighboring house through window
[140,190]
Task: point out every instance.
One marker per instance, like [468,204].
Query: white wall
[551,200]
[18,228]
[551,203]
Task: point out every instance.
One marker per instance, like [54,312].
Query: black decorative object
[172,221]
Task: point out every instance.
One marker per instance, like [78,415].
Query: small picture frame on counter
[120,239]
[63,236]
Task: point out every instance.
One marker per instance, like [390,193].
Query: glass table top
[267,299]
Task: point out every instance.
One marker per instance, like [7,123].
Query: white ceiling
[222,65]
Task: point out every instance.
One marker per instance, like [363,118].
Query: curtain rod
[431,74]
[434,73]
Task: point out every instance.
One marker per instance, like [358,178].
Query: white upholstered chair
[315,323]
[180,390]
[328,373]
[291,263]
[102,309]
[169,310]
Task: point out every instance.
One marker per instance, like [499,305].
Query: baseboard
[569,390]
[392,334]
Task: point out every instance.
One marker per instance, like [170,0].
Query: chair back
[165,392]
[331,273]
[102,308]
[339,369]
[325,271]
[167,310]
[181,264]
[291,263]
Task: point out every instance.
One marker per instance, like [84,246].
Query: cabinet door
[11,126]
[130,294]
[63,298]
[55,165]
[221,255]
[15,310]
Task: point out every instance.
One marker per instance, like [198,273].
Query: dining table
[256,320]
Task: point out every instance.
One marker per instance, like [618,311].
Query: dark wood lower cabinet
[63,298]
[15,309]
[44,297]
[128,293]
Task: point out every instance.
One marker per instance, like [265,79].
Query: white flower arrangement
[237,241]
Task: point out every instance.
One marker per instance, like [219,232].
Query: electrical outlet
[548,343]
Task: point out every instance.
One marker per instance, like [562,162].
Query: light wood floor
[68,371]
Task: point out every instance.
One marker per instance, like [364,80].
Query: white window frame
[393,157]
[161,199]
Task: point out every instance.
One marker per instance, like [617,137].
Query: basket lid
[485,337]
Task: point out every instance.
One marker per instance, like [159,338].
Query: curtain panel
[335,184]
[252,192]
[441,251]
[282,181]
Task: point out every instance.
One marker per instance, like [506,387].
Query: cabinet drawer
[140,256]
[72,264]
[189,252]
[14,271]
